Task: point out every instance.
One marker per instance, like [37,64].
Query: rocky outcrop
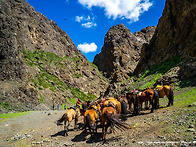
[121,51]
[39,62]
[175,36]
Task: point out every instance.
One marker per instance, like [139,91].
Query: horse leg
[103,133]
[96,126]
[152,104]
[64,128]
[171,96]
[136,109]
[130,106]
[90,130]
[76,123]
[168,102]
[111,128]
[146,105]
[67,128]
[85,131]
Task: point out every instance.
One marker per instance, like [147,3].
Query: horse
[115,102]
[124,102]
[68,116]
[165,90]
[109,118]
[146,95]
[85,105]
[91,117]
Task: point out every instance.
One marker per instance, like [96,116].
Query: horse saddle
[111,105]
[73,107]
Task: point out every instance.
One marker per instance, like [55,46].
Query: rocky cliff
[121,51]
[170,57]
[39,62]
[175,36]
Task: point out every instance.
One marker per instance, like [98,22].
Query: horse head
[78,112]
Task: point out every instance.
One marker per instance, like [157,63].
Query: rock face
[121,51]
[39,62]
[175,36]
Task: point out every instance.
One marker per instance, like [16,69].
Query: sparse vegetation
[48,79]
[149,76]
[12,115]
[6,105]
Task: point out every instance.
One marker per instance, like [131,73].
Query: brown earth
[147,129]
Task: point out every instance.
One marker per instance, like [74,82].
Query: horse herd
[112,112]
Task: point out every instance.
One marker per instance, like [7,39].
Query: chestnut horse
[115,102]
[166,90]
[109,118]
[146,95]
[91,117]
[68,116]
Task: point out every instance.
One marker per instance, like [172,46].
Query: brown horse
[146,95]
[115,103]
[68,116]
[166,90]
[109,118]
[91,117]
[85,105]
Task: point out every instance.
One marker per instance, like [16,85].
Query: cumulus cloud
[87,22]
[129,9]
[79,18]
[86,48]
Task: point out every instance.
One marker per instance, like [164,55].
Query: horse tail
[61,119]
[124,110]
[156,99]
[171,96]
[88,121]
[114,121]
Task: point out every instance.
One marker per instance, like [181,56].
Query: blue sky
[87,21]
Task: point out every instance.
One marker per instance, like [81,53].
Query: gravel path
[39,129]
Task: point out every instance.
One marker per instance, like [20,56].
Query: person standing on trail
[53,106]
[58,107]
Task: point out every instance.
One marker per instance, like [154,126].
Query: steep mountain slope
[39,62]
[170,57]
[175,36]
[121,51]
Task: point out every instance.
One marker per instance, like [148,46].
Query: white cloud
[79,18]
[129,9]
[86,48]
[89,24]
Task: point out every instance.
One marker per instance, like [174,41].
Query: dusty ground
[147,129]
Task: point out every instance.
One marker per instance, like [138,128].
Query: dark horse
[165,90]
[146,95]
[124,102]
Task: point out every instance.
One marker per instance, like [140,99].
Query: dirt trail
[39,129]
